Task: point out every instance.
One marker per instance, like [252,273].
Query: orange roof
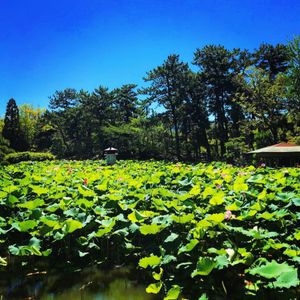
[278,148]
[284,145]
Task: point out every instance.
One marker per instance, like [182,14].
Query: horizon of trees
[235,101]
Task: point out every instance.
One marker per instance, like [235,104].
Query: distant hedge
[4,150]
[28,156]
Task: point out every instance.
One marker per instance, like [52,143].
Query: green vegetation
[204,231]
[13,158]
[231,101]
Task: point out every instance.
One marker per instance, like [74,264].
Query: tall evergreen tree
[169,88]
[125,102]
[272,59]
[12,129]
[218,69]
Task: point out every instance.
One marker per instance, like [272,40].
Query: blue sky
[54,44]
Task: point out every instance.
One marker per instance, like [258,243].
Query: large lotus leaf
[51,221]
[217,199]
[85,203]
[86,192]
[233,206]
[173,293]
[11,199]
[173,236]
[151,229]
[208,191]
[151,261]
[239,185]
[203,297]
[31,205]
[285,196]
[271,269]
[205,224]
[297,235]
[107,226]
[72,225]
[3,262]
[215,218]
[157,276]
[154,288]
[162,219]
[296,201]
[168,258]
[10,189]
[257,178]
[25,226]
[286,280]
[136,217]
[221,262]
[195,190]
[292,252]
[182,219]
[39,190]
[24,250]
[189,246]
[266,215]
[204,266]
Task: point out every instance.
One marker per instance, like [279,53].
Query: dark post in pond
[110,155]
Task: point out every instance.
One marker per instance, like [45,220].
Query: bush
[4,150]
[28,156]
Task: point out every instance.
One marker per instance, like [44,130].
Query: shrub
[4,150]
[28,156]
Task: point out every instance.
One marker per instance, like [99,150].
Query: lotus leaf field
[206,231]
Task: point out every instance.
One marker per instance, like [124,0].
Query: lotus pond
[206,231]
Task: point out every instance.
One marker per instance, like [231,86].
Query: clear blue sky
[48,45]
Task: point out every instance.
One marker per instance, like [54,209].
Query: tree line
[228,103]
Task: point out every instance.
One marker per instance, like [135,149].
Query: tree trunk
[177,141]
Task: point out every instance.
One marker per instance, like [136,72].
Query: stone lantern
[110,155]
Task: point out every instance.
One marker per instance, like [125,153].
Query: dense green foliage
[210,230]
[13,158]
[231,101]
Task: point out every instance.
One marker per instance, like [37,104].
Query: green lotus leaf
[186,218]
[204,266]
[239,185]
[136,217]
[203,297]
[286,280]
[296,201]
[271,269]
[150,261]
[25,226]
[217,199]
[72,225]
[39,190]
[31,205]
[215,218]
[157,276]
[51,221]
[107,226]
[154,288]
[85,192]
[221,262]
[189,246]
[173,293]
[266,215]
[151,229]
[172,237]
[3,262]
[10,189]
